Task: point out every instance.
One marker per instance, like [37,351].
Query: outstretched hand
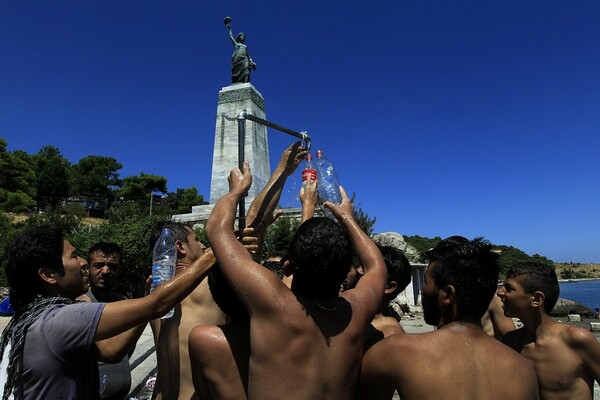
[292,157]
[240,182]
[343,211]
[308,192]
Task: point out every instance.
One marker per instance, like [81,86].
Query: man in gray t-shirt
[57,360]
[50,347]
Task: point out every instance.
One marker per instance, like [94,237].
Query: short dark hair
[320,256]
[471,268]
[30,250]
[398,268]
[178,229]
[225,297]
[108,249]
[537,276]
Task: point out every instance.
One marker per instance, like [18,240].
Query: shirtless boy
[307,342]
[566,358]
[458,360]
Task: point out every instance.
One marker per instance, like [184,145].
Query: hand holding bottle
[342,211]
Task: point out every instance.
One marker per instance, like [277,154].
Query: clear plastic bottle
[309,169]
[329,184]
[164,257]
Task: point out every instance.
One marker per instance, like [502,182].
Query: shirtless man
[174,378]
[566,358]
[220,354]
[307,342]
[458,360]
[398,277]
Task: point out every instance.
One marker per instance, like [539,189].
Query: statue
[241,63]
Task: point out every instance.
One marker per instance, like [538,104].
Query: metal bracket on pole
[241,119]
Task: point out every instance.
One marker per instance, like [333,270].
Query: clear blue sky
[445,117]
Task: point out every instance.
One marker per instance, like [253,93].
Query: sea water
[586,293]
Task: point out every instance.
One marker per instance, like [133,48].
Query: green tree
[7,231]
[280,233]
[68,223]
[138,187]
[422,244]
[121,212]
[51,169]
[18,201]
[182,200]
[16,177]
[567,273]
[366,223]
[95,176]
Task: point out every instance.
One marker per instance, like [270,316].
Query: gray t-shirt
[115,379]
[58,359]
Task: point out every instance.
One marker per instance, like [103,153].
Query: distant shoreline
[578,280]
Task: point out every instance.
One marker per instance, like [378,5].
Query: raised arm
[260,213]
[308,198]
[501,324]
[231,35]
[120,316]
[371,286]
[255,285]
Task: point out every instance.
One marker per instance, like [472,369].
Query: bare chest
[558,368]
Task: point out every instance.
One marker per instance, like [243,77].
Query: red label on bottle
[311,172]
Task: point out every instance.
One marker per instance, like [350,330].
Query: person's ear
[287,268]
[537,299]
[48,275]
[180,245]
[390,287]
[447,295]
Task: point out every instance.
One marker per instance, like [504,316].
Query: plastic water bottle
[309,170]
[329,184]
[163,261]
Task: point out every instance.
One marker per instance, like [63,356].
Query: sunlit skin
[104,270]
[458,360]
[75,280]
[174,379]
[566,358]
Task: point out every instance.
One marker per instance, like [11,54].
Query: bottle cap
[320,153]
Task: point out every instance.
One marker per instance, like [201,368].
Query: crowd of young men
[244,333]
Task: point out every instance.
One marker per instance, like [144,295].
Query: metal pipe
[300,135]
[241,119]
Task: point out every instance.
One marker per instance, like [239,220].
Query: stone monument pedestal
[232,100]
